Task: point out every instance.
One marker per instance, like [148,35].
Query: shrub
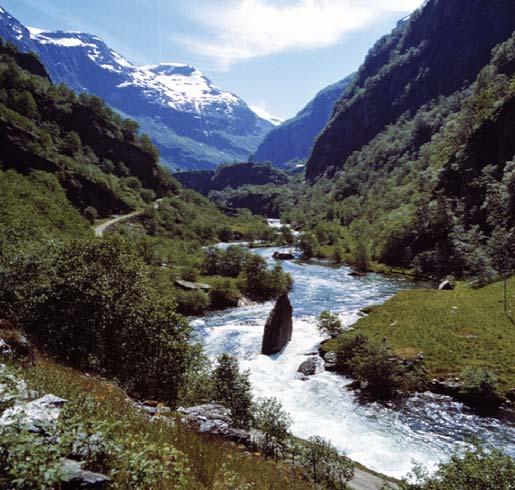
[329,324]
[309,245]
[474,469]
[360,260]
[224,294]
[91,303]
[324,465]
[274,423]
[191,302]
[480,389]
[232,389]
[90,213]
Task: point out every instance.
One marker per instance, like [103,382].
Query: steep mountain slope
[442,47]
[194,123]
[232,175]
[293,140]
[435,191]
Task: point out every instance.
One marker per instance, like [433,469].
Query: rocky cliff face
[278,327]
[194,123]
[442,47]
[234,176]
[292,141]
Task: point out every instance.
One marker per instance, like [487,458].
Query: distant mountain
[233,175]
[194,123]
[435,52]
[293,140]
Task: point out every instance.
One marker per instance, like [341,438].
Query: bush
[224,294]
[309,245]
[329,324]
[324,465]
[192,302]
[90,213]
[473,469]
[360,260]
[274,423]
[382,373]
[480,389]
[232,389]
[91,303]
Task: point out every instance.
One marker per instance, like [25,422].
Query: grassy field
[453,329]
[210,463]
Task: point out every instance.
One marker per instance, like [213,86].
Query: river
[426,428]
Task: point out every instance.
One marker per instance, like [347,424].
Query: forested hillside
[232,175]
[442,48]
[433,190]
[98,157]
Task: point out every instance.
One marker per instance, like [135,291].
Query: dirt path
[102,227]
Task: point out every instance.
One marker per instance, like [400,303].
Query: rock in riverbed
[278,327]
[311,366]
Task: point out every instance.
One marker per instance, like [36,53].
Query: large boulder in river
[278,327]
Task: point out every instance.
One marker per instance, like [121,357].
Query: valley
[158,236]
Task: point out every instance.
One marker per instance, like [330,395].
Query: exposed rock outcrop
[215,420]
[278,327]
[74,477]
[446,286]
[12,343]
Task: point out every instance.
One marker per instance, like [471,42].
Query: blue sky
[275,54]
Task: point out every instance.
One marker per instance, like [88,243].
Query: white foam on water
[426,430]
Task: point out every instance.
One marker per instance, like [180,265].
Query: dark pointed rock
[278,327]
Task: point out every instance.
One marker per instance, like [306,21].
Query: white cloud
[243,29]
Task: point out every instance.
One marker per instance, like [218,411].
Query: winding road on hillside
[101,228]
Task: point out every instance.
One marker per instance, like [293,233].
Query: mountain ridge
[429,55]
[292,141]
[193,122]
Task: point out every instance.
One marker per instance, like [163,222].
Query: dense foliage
[98,157]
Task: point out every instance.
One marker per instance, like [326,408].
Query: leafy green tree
[232,389]
[361,261]
[479,468]
[274,423]
[329,324]
[71,143]
[90,213]
[324,465]
[26,105]
[309,245]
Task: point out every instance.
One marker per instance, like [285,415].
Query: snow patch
[264,114]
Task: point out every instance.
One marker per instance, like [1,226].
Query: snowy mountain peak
[194,123]
[264,114]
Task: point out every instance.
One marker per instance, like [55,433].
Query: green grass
[210,463]
[453,329]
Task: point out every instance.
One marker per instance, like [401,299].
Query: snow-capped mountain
[264,114]
[193,122]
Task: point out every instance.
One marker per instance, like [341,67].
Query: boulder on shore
[215,420]
[278,327]
[446,286]
[13,344]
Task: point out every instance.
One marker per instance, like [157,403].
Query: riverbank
[455,331]
[200,461]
